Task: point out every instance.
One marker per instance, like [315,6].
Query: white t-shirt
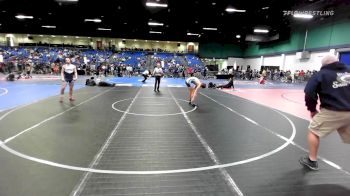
[158,71]
[145,72]
[69,68]
[230,71]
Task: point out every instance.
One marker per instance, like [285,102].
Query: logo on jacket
[343,79]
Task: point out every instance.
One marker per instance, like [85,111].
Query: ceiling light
[196,34]
[152,4]
[24,17]
[67,1]
[261,31]
[306,16]
[53,36]
[41,35]
[103,29]
[210,29]
[155,32]
[48,27]
[77,37]
[238,36]
[135,40]
[146,40]
[157,41]
[65,36]
[234,10]
[89,37]
[96,20]
[265,8]
[155,24]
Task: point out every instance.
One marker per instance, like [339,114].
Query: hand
[312,114]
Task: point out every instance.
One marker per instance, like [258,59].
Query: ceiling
[129,18]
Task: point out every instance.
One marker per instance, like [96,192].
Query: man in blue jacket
[332,86]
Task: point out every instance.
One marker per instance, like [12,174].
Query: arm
[62,73]
[75,73]
[311,97]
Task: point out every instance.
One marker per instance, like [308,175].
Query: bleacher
[44,56]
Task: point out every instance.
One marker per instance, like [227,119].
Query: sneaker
[305,161]
[193,105]
[71,99]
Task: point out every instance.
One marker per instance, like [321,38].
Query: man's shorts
[69,81]
[327,121]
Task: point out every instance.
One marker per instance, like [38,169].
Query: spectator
[332,86]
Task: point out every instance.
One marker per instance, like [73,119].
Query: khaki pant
[327,121]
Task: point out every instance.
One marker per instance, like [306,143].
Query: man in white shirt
[68,75]
[157,73]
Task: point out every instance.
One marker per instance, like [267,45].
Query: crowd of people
[150,50]
[287,76]
[25,61]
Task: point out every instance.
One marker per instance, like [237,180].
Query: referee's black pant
[157,83]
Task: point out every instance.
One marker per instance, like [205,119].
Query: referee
[157,73]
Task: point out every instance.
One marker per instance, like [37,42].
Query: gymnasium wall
[288,61]
[219,50]
[106,42]
[320,38]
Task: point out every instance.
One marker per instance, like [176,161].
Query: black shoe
[193,105]
[305,161]
[155,90]
[189,102]
[158,90]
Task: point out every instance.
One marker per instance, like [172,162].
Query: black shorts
[190,85]
[69,81]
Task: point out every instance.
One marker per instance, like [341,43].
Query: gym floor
[130,140]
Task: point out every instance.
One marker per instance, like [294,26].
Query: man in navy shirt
[332,86]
